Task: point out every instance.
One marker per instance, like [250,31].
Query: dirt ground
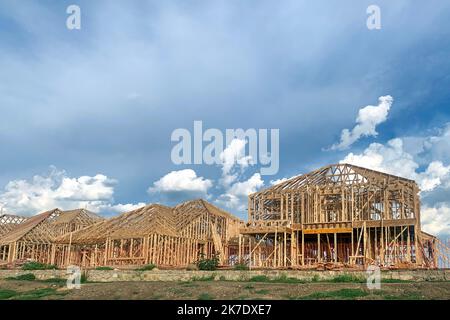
[227,290]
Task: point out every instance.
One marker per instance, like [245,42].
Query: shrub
[260,278]
[241,266]
[38,266]
[147,267]
[208,264]
[55,280]
[24,277]
[104,268]
[207,278]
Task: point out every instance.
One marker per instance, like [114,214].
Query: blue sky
[86,115]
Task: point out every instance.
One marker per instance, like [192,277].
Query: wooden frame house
[340,214]
[164,236]
[33,238]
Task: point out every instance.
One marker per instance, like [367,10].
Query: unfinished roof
[77,216]
[9,222]
[188,211]
[153,218]
[336,175]
[33,229]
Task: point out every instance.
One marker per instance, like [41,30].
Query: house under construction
[338,215]
[33,238]
[165,236]
[9,222]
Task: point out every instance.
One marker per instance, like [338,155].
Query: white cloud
[392,158]
[120,208]
[389,158]
[366,122]
[433,176]
[182,181]
[236,196]
[57,190]
[436,220]
[277,181]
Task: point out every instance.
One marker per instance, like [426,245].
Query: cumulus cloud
[234,189]
[277,181]
[236,196]
[366,122]
[111,209]
[392,158]
[182,183]
[58,190]
[436,220]
[389,158]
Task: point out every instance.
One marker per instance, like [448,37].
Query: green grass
[342,294]
[29,295]
[37,294]
[23,277]
[6,294]
[147,267]
[38,266]
[55,280]
[347,278]
[261,278]
[403,296]
[205,296]
[281,279]
[395,281]
[285,279]
[104,268]
[241,266]
[32,277]
[205,278]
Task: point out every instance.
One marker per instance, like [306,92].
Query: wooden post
[240,248]
[335,248]
[303,248]
[284,250]
[318,248]
[68,250]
